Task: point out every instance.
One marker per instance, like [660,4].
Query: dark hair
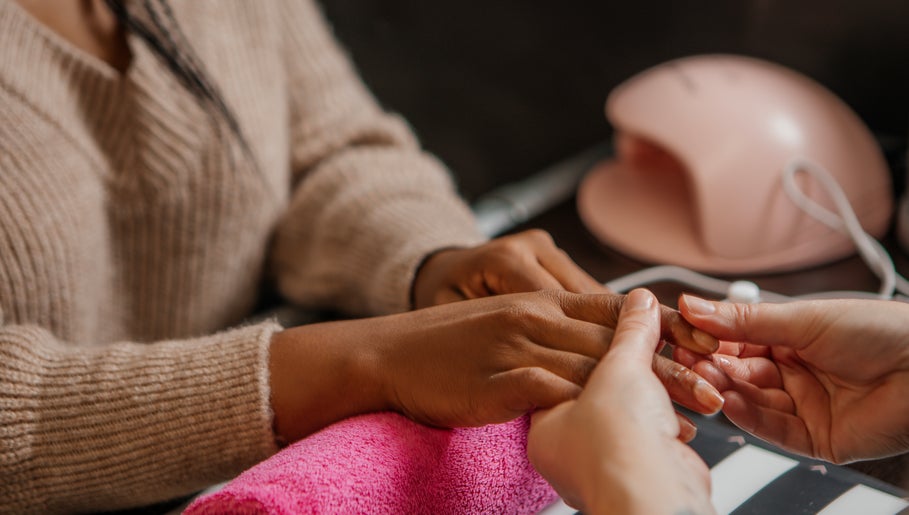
[166,39]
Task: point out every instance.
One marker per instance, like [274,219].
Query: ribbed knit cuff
[129,424]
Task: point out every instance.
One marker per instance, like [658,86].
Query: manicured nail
[699,306]
[639,299]
[687,431]
[706,343]
[708,396]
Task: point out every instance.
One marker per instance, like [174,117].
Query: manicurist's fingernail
[639,299]
[698,306]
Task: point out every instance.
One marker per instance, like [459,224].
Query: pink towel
[385,463]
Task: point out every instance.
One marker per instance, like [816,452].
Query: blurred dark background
[502,89]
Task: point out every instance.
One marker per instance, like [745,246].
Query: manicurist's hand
[616,448]
[823,378]
[466,363]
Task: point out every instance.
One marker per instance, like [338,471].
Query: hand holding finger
[605,310]
[763,324]
[621,425]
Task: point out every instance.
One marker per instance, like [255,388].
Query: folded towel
[385,463]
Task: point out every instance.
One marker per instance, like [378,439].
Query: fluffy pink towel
[385,463]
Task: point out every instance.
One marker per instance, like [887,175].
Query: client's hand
[527,261]
[616,448]
[824,378]
[530,261]
[460,364]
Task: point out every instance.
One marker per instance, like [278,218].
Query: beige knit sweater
[129,243]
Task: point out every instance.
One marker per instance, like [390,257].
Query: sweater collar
[65,84]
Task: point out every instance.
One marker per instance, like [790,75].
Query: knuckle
[522,312]
[555,297]
[529,376]
[541,302]
[670,371]
[532,374]
[513,313]
[540,236]
[636,325]
[511,245]
[744,315]
[683,375]
[508,251]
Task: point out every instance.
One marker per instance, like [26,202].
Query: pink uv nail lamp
[701,144]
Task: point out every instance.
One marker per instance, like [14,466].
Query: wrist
[626,495]
[431,277]
[320,374]
[626,478]
[611,490]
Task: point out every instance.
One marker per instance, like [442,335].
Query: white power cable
[739,291]
[513,204]
[845,221]
[871,251]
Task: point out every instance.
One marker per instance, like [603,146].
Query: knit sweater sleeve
[83,428]
[368,204]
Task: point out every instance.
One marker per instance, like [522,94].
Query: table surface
[605,264]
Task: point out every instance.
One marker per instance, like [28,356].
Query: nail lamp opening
[701,143]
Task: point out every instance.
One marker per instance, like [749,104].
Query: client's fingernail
[706,343]
[698,306]
[639,299]
[687,431]
[708,396]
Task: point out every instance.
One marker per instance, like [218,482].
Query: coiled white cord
[844,220]
[737,291]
